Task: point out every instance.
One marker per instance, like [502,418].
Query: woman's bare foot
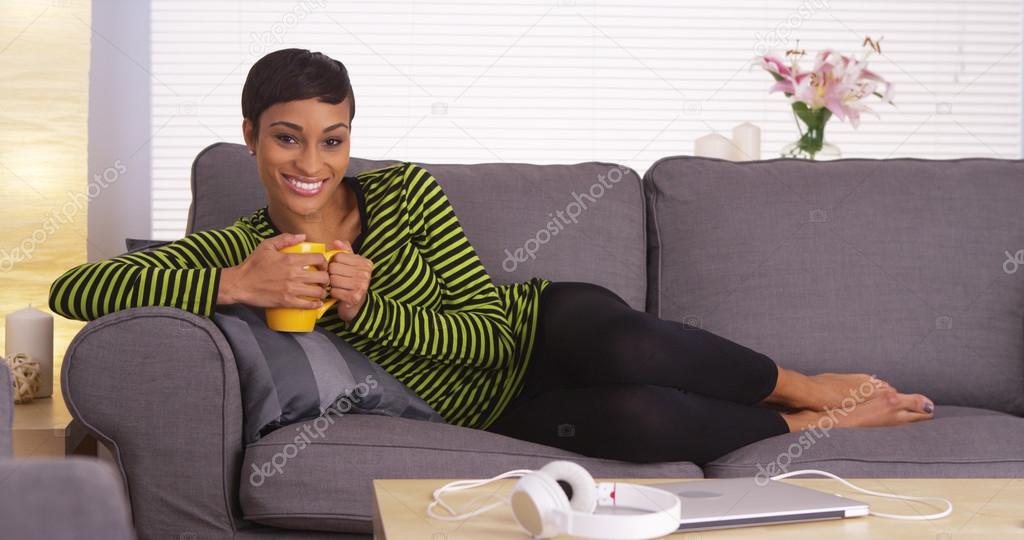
[834,388]
[889,408]
[825,391]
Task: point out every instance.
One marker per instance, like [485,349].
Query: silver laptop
[744,502]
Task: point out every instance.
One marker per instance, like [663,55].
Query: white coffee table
[984,509]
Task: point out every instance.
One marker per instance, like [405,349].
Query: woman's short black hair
[294,74]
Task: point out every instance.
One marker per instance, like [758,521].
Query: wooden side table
[44,428]
[983,509]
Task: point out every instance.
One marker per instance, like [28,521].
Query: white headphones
[561,498]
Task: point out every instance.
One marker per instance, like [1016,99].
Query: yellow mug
[298,319]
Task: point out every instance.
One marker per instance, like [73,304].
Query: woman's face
[302,152]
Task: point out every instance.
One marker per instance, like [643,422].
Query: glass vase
[811,144]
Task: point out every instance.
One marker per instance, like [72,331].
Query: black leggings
[609,381]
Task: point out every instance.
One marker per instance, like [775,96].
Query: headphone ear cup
[582,488]
[533,499]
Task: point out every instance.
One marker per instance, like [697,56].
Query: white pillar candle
[713,145]
[746,139]
[30,331]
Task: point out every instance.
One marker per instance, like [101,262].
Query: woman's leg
[594,338]
[588,336]
[608,381]
[639,423]
[645,423]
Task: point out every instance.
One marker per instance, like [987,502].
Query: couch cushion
[893,267]
[582,222]
[319,476]
[958,442]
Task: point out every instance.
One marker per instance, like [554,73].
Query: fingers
[349,273]
[305,296]
[311,291]
[348,254]
[314,277]
[349,261]
[348,297]
[304,260]
[284,240]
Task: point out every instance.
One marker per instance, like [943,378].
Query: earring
[252,152]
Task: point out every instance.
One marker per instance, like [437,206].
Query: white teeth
[304,185]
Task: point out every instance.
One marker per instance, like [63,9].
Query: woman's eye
[334,142]
[287,139]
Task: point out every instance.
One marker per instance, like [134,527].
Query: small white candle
[713,145]
[30,331]
[746,139]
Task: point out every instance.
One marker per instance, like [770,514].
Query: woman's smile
[305,186]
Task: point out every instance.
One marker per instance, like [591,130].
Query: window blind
[564,81]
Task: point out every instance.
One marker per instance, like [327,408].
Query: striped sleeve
[184,274]
[471,328]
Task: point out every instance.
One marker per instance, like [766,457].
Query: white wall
[119,125]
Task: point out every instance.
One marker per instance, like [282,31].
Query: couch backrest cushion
[895,267]
[581,222]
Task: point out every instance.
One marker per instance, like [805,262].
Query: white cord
[940,515]
[460,485]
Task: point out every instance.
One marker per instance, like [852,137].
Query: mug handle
[329,254]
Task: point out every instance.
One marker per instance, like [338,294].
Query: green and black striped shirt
[432,317]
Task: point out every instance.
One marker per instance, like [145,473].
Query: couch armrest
[158,386]
[6,410]
[63,498]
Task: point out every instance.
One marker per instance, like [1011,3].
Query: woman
[566,364]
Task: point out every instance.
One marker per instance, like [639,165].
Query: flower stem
[812,138]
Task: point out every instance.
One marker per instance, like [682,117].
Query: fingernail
[928,407]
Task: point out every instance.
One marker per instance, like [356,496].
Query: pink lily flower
[836,82]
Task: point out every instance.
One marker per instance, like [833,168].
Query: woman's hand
[269,278]
[350,279]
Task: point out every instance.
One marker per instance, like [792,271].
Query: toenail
[928,407]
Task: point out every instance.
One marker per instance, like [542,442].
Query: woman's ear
[249,134]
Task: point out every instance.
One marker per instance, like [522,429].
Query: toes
[910,416]
[916,403]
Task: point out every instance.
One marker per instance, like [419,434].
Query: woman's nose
[309,162]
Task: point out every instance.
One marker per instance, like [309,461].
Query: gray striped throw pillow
[289,377]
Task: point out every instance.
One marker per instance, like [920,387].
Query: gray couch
[891,267]
[56,498]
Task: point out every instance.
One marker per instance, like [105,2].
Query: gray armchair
[57,498]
